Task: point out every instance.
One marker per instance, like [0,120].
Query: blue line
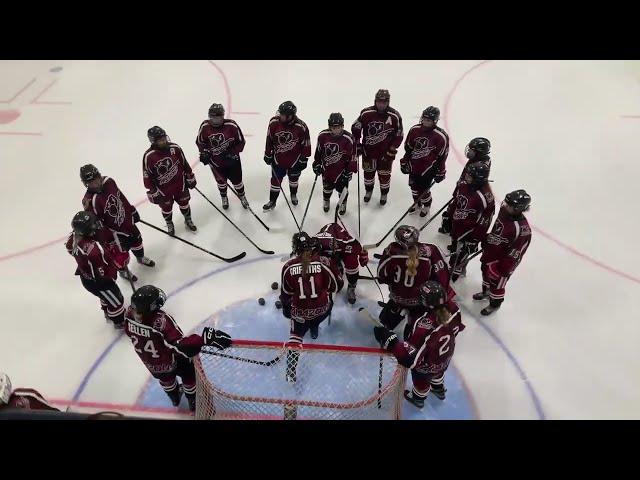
[512,358]
[187,285]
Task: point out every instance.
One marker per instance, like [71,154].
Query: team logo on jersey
[166,169]
[219,143]
[462,211]
[115,208]
[286,141]
[423,148]
[332,153]
[495,237]
[376,133]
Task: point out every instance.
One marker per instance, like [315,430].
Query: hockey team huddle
[418,274]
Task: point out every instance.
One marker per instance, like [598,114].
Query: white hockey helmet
[5,388]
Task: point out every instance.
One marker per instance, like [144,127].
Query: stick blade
[236,258]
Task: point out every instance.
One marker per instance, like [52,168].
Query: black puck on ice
[261,301]
[274,286]
[278,304]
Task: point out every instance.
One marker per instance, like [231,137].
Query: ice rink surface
[564,344]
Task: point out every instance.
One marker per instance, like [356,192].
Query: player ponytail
[442,315]
[305,259]
[413,261]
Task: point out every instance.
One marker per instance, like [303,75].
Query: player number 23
[148,347]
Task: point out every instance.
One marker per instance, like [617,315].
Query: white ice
[564,344]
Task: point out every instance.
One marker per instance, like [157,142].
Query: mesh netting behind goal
[315,382]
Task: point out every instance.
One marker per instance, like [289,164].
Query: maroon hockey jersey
[287,142]
[430,347]
[158,340]
[94,257]
[455,321]
[380,132]
[507,243]
[486,159]
[28,399]
[339,245]
[110,206]
[426,149]
[220,141]
[404,288]
[309,295]
[165,172]
[336,154]
[471,212]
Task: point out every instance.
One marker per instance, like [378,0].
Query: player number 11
[313,288]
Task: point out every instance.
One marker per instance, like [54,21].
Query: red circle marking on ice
[8,116]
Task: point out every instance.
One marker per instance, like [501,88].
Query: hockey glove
[230,158]
[286,310]
[363,258]
[302,163]
[216,338]
[405,166]
[439,177]
[386,338]
[268,159]
[358,149]
[318,168]
[136,216]
[155,197]
[391,153]
[205,157]
[191,182]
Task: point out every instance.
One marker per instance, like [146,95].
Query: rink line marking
[512,359]
[39,134]
[227,89]
[629,116]
[19,92]
[459,158]
[121,407]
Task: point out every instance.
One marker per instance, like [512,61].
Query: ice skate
[225,202]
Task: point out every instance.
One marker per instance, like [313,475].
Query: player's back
[336,239]
[435,343]
[404,283]
[152,337]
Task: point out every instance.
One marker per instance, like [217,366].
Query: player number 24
[148,347]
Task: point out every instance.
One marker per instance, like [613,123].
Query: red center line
[19,92]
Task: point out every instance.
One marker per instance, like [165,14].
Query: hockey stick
[130,278]
[308,201]
[213,167]
[363,313]
[228,260]
[267,252]
[273,172]
[413,205]
[435,215]
[242,359]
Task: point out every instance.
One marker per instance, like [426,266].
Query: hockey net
[309,382]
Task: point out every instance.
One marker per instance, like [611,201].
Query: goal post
[261,380]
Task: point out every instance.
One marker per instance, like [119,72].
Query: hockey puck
[274,286]
[55,69]
[261,301]
[278,304]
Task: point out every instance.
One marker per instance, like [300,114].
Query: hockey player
[160,344]
[503,249]
[335,159]
[107,202]
[308,282]
[429,349]
[477,150]
[380,127]
[22,398]
[287,151]
[471,213]
[426,150]
[337,244]
[168,177]
[220,142]
[97,264]
[405,265]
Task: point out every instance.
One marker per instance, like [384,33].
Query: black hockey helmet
[432,113]
[88,173]
[407,235]
[519,200]
[287,108]
[432,294]
[383,94]
[479,145]
[148,299]
[84,223]
[479,173]
[155,133]
[301,241]
[216,110]
[336,120]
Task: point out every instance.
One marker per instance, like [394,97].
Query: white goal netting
[269,380]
